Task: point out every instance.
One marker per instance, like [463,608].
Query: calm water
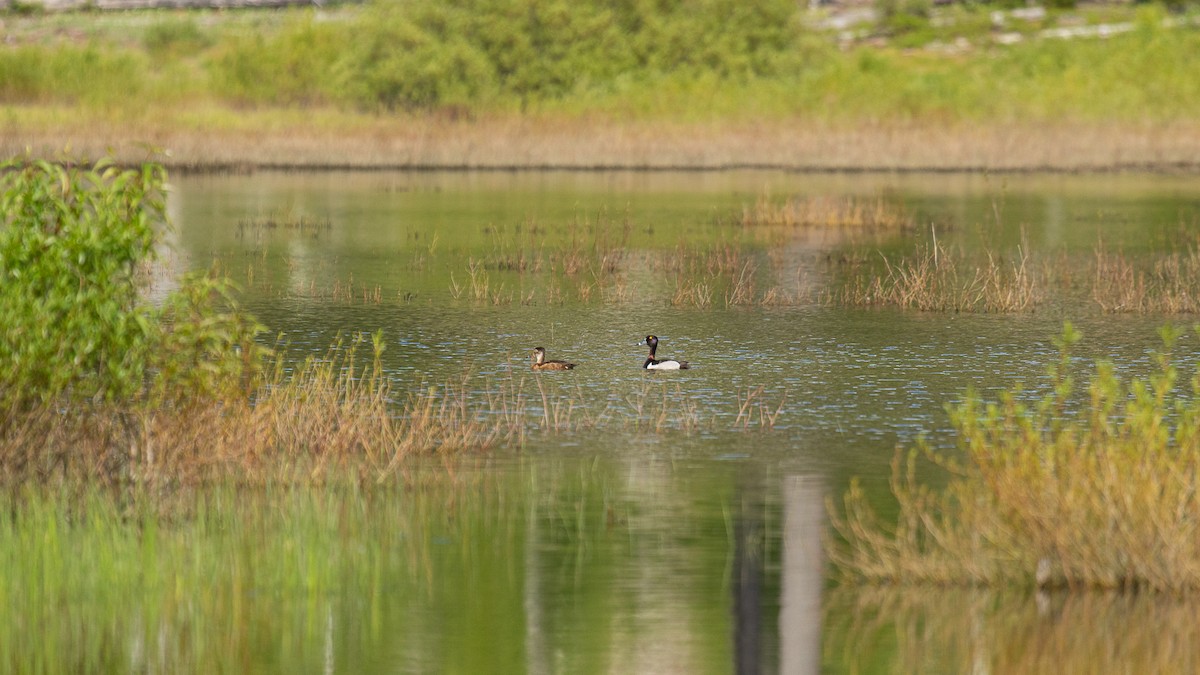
[687,549]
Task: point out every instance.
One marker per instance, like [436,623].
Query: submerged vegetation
[1082,489]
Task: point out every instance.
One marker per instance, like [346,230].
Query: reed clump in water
[1100,490]
[939,280]
[1168,284]
[841,212]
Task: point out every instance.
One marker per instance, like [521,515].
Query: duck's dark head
[651,341]
[539,354]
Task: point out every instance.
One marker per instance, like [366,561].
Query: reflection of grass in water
[591,262]
[225,578]
[896,629]
[1103,493]
[494,567]
[283,220]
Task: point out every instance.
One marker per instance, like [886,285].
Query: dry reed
[1104,496]
[842,212]
[937,279]
[1171,285]
[218,138]
[335,415]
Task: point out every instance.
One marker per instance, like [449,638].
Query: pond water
[671,532]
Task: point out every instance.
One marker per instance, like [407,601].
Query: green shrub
[69,314]
[73,326]
[174,38]
[403,62]
[297,65]
[1099,488]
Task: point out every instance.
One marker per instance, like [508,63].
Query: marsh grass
[284,221]
[326,414]
[823,211]
[1167,284]
[1091,490]
[939,279]
[336,415]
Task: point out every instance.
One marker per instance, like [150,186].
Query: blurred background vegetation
[677,59]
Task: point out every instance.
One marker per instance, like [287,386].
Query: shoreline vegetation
[578,86]
[370,143]
[1082,489]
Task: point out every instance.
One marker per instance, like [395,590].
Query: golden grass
[1171,285]
[941,280]
[1103,493]
[823,211]
[215,137]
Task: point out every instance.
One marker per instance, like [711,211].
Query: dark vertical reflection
[748,583]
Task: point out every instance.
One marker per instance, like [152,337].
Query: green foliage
[69,251]
[295,65]
[906,20]
[175,38]
[69,73]
[423,54]
[72,323]
[204,345]
[413,60]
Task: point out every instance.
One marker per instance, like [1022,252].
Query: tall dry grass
[826,211]
[1168,284]
[204,137]
[1098,491]
[329,414]
[939,279]
[334,416]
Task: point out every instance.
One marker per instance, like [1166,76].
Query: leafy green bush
[72,323]
[69,251]
[293,66]
[424,54]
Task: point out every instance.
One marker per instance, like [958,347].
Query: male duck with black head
[540,362]
[660,364]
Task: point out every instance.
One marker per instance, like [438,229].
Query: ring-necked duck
[663,364]
[540,362]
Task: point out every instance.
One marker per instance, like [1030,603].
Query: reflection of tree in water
[795,648]
[748,554]
[927,629]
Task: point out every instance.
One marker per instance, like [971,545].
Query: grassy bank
[484,85]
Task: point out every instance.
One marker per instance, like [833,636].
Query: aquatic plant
[942,280]
[1091,490]
[823,211]
[1169,283]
